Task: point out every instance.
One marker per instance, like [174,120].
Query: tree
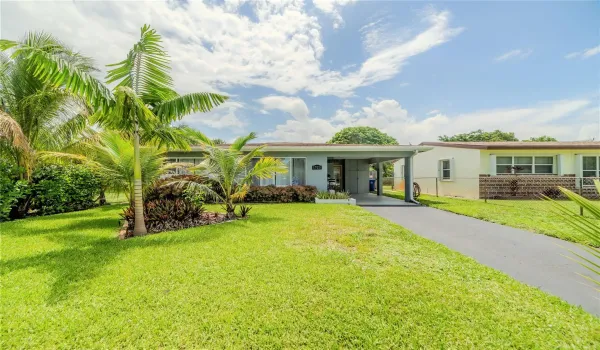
[36,116]
[543,138]
[218,141]
[362,135]
[366,135]
[142,100]
[480,136]
[232,171]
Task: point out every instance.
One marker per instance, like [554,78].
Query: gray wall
[356,175]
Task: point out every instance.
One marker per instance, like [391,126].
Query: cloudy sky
[301,70]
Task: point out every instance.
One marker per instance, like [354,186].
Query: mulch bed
[207,218]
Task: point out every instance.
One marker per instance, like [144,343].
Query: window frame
[449,169]
[533,164]
[291,173]
[596,171]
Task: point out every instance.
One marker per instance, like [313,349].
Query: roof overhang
[517,145]
[325,148]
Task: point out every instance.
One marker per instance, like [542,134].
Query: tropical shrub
[60,189]
[285,194]
[244,210]
[11,189]
[333,195]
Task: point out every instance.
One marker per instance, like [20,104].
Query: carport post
[379,178]
[408,180]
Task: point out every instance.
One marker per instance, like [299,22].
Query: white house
[504,169]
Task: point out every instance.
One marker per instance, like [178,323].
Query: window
[525,165]
[182,170]
[591,166]
[445,167]
[296,174]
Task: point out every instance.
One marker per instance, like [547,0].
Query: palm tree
[587,227]
[36,116]
[142,100]
[232,170]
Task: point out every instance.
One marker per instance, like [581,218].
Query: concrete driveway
[528,257]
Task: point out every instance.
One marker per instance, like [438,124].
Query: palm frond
[177,107]
[240,142]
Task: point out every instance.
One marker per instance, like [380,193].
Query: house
[504,169]
[344,167]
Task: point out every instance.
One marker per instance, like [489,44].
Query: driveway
[528,257]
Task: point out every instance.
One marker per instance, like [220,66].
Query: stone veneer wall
[528,186]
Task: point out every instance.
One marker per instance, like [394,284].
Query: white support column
[379,178]
[408,179]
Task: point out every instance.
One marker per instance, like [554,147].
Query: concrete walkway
[528,257]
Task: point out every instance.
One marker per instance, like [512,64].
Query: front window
[543,165]
[591,168]
[296,174]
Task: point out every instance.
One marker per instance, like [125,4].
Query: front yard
[292,275]
[531,215]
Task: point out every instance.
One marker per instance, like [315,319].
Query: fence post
[485,185]
[580,187]
[436,187]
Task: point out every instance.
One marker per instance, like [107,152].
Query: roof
[518,145]
[325,147]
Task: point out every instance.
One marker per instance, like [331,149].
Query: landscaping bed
[291,276]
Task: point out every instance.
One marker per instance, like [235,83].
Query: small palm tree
[232,170]
[143,99]
[585,226]
[36,116]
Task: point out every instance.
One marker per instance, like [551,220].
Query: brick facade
[528,186]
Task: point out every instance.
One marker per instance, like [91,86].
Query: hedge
[286,194]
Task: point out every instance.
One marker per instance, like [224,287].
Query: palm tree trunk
[139,228]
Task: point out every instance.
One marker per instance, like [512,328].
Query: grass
[531,215]
[290,276]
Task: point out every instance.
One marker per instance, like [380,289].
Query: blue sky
[302,70]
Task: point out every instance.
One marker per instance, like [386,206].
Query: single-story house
[504,169]
[345,167]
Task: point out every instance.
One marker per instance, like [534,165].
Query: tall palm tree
[143,98]
[232,170]
[36,116]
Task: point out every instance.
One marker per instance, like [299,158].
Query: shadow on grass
[83,256]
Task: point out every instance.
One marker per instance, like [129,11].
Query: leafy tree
[36,116]
[232,170]
[142,101]
[544,138]
[362,135]
[480,136]
[218,141]
[366,135]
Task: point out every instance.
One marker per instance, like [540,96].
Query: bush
[335,195]
[12,190]
[286,194]
[60,189]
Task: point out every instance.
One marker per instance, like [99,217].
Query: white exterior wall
[568,161]
[465,172]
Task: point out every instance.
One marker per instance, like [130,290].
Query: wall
[465,181]
[528,186]
[568,157]
[356,175]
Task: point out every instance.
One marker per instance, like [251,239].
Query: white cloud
[222,117]
[347,104]
[514,54]
[587,53]
[214,47]
[332,8]
[563,119]
[435,111]
[293,105]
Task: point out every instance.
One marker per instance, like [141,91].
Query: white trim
[450,169]
[337,148]
[525,155]
[493,170]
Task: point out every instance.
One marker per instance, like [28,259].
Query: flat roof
[518,145]
[328,147]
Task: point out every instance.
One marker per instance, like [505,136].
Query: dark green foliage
[244,210]
[172,214]
[60,189]
[362,135]
[480,136]
[11,189]
[286,194]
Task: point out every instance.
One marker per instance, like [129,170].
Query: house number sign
[317,167]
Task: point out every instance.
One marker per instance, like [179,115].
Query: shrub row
[287,194]
[52,189]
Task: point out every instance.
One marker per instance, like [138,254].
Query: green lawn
[532,215]
[292,275]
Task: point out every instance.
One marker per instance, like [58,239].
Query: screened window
[525,165]
[591,166]
[296,174]
[446,171]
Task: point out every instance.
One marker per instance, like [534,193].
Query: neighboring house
[345,167]
[505,169]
